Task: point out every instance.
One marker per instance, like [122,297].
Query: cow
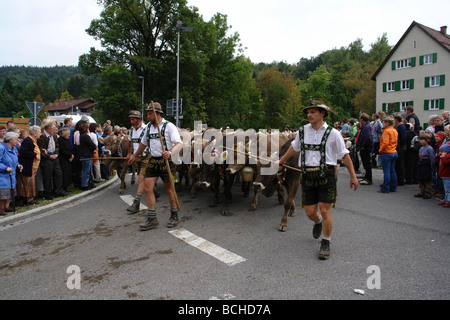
[265,140]
[210,173]
[187,167]
[287,179]
[117,147]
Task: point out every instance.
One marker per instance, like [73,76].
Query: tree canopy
[218,84]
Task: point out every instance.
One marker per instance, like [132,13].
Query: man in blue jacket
[364,145]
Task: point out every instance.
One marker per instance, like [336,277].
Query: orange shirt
[388,140]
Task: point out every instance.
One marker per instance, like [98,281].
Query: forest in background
[218,84]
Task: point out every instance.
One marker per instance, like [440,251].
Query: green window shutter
[397,85]
[411,84]
[421,60]
[413,61]
[411,103]
[434,57]
[442,80]
[426,104]
[441,104]
[427,82]
[384,87]
[384,107]
[397,107]
[425,126]
[393,65]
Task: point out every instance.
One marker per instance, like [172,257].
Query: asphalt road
[391,246]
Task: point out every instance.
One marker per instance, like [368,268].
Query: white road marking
[129,200]
[217,252]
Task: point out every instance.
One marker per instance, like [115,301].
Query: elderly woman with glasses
[8,164]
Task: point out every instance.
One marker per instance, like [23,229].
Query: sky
[53,32]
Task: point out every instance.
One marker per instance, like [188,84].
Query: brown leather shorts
[316,189]
[157,168]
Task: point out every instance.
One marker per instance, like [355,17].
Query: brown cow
[289,180]
[264,139]
[117,147]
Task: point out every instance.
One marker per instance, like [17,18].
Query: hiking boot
[134,206]
[324,252]
[317,230]
[173,220]
[150,223]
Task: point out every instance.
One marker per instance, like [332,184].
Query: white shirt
[335,148]
[135,134]
[51,142]
[171,135]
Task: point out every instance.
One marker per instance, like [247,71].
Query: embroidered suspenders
[314,147]
[138,140]
[156,135]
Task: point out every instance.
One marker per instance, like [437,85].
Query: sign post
[34,107]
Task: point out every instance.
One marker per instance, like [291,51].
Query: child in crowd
[444,173]
[425,167]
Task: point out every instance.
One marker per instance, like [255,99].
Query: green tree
[116,93]
[280,99]
[142,36]
[75,85]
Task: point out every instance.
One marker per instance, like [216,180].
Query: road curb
[36,211]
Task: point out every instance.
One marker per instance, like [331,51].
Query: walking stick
[165,160]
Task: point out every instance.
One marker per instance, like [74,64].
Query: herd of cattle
[232,157]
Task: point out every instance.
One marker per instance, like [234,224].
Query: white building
[415,72]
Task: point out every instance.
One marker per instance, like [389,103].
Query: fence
[22,123]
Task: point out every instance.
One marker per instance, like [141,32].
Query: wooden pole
[172,183]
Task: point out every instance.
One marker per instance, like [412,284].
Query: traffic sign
[34,107]
[171,107]
[34,122]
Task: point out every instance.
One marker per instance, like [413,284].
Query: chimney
[444,30]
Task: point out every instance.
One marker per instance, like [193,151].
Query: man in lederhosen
[320,147]
[137,131]
[156,167]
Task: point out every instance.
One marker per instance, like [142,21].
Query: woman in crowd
[29,158]
[87,148]
[388,155]
[8,164]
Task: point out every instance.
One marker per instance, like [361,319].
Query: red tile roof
[82,104]
[439,37]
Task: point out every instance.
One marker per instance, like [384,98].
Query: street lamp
[187,29]
[142,105]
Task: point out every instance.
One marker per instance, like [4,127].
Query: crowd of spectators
[49,161]
[408,152]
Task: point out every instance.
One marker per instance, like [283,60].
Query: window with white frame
[435,81]
[405,63]
[403,105]
[405,84]
[390,86]
[433,104]
[428,59]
